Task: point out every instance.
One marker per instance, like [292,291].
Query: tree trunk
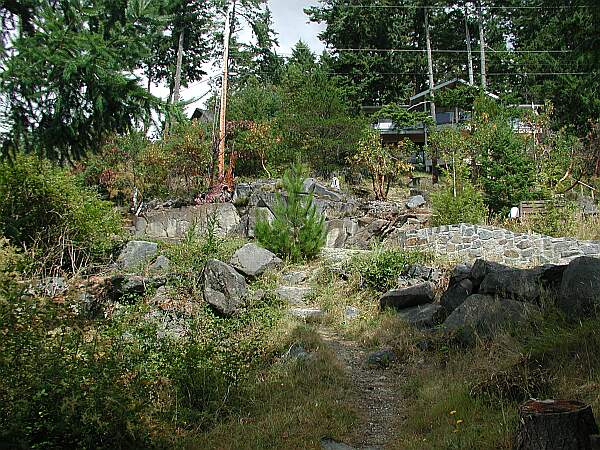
[177,87]
[555,425]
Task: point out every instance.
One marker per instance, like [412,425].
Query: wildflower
[452,412]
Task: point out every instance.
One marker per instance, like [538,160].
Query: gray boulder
[351,313]
[423,316]
[294,278]
[224,288]
[128,288]
[136,253]
[294,295]
[306,313]
[408,297]
[321,191]
[526,285]
[415,202]
[252,260]
[53,286]
[381,359]
[580,288]
[161,264]
[456,295]
[460,272]
[482,316]
[481,268]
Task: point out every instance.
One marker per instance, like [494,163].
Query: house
[445,116]
[203,116]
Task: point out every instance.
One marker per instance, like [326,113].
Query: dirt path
[374,393]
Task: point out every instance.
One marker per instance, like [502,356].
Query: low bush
[298,230]
[467,206]
[57,222]
[65,383]
[380,270]
[174,167]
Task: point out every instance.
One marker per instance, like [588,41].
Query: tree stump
[555,425]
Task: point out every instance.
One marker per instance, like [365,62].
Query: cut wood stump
[555,425]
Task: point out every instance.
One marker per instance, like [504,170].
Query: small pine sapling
[297,231]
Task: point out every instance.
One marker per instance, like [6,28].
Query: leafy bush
[11,263]
[176,166]
[114,384]
[298,230]
[467,207]
[380,270]
[383,162]
[60,224]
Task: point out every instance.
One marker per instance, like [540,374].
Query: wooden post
[469,51]
[223,109]
[556,425]
[482,45]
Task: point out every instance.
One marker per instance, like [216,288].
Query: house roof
[203,115]
[446,84]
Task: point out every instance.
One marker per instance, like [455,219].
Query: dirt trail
[374,393]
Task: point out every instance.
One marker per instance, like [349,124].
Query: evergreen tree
[69,80]
[298,230]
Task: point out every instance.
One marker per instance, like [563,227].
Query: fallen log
[556,425]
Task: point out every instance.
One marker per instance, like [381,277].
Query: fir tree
[298,230]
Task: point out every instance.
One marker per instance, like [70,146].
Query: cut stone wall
[466,242]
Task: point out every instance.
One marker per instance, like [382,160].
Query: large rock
[482,316]
[128,288]
[368,235]
[321,191]
[456,295]
[415,202]
[527,285]
[460,272]
[224,288]
[481,268]
[294,295]
[580,288]
[423,316]
[254,214]
[176,223]
[136,253]
[408,297]
[252,260]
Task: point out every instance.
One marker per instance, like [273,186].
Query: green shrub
[174,167]
[298,230]
[11,263]
[65,383]
[380,269]
[467,207]
[61,224]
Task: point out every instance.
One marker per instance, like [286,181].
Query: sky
[291,25]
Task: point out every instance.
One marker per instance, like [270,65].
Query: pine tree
[298,230]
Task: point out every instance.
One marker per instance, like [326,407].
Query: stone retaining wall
[466,242]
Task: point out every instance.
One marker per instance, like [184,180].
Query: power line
[451,6]
[421,50]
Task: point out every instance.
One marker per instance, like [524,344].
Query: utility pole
[469,52]
[223,109]
[430,64]
[482,45]
[434,175]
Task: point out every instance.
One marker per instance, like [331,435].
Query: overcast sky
[291,25]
